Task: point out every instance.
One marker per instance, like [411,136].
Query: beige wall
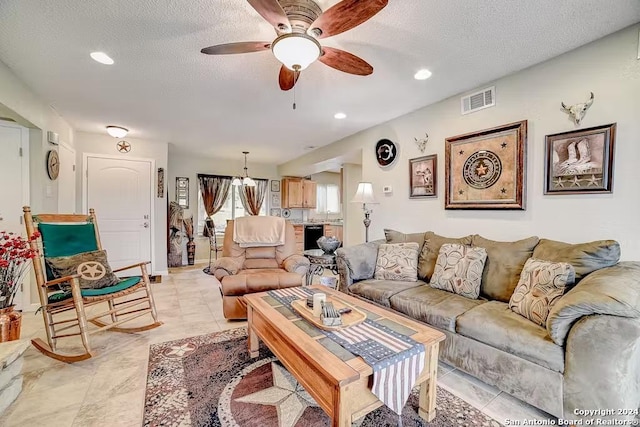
[353,231]
[93,143]
[608,67]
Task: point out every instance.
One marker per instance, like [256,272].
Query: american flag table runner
[397,360]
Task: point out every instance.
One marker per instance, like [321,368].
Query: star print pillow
[92,267]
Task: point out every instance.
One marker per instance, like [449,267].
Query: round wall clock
[53,164]
[386,152]
[286,213]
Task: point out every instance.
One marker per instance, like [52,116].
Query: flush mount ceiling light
[339,116]
[244,180]
[117,131]
[102,58]
[422,74]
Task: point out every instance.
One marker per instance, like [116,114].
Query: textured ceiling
[162,87]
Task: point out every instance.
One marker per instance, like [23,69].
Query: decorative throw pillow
[459,269]
[541,285]
[505,261]
[92,267]
[584,257]
[431,249]
[397,261]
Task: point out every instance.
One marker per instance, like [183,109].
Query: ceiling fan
[299,25]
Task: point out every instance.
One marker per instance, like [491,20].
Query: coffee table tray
[348,319]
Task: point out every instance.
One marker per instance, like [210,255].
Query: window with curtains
[328,198]
[231,209]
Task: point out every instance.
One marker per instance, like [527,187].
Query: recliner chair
[256,269]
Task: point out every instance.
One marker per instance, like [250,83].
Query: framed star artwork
[486,169]
[580,162]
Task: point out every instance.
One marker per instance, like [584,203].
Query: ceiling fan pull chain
[296,74]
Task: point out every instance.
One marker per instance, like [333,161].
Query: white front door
[14,172]
[120,192]
[67,180]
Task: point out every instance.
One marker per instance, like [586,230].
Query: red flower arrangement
[15,254]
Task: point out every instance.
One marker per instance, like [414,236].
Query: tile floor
[108,389]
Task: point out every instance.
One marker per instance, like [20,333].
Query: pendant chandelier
[244,180]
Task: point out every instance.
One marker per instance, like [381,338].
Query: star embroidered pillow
[92,267]
[397,261]
[459,269]
[541,285]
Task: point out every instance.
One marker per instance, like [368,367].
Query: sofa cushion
[398,261]
[433,306]
[459,270]
[541,285]
[393,236]
[379,291]
[584,257]
[505,261]
[495,324]
[431,249]
[259,280]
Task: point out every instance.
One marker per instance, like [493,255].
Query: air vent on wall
[484,98]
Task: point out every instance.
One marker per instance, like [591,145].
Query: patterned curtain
[215,190]
[252,198]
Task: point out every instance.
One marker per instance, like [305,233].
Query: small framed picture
[422,176]
[580,161]
[275,212]
[275,186]
[275,200]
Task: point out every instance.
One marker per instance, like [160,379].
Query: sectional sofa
[587,358]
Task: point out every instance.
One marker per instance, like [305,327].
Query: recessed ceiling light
[102,58]
[117,131]
[340,116]
[423,74]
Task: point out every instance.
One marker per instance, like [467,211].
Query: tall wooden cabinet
[298,193]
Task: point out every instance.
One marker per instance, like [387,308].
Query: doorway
[14,170]
[120,192]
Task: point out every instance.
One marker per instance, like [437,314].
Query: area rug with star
[210,380]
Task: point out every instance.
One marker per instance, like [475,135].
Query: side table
[319,260]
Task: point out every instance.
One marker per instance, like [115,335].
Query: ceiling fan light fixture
[296,50]
[117,131]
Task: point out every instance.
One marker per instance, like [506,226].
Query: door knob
[145,225]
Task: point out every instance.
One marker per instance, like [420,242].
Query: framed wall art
[182,191]
[275,186]
[160,183]
[486,169]
[581,161]
[275,200]
[422,176]
[275,212]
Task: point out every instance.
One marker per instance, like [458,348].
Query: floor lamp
[364,195]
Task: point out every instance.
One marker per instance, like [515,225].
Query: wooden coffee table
[341,385]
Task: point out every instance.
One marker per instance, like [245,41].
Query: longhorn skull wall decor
[578,111]
[422,142]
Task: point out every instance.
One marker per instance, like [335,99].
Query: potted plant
[15,256]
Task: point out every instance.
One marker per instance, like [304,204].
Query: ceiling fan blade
[287,78]
[272,12]
[345,61]
[240,47]
[346,15]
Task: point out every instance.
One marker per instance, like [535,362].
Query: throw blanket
[397,360]
[252,231]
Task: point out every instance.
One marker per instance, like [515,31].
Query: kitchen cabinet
[298,193]
[333,231]
[299,232]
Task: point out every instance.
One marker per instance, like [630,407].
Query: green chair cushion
[67,239]
[124,284]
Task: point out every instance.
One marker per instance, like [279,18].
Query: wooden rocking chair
[65,235]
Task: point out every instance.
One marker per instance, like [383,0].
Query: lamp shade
[117,131]
[236,182]
[364,194]
[296,51]
[248,182]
